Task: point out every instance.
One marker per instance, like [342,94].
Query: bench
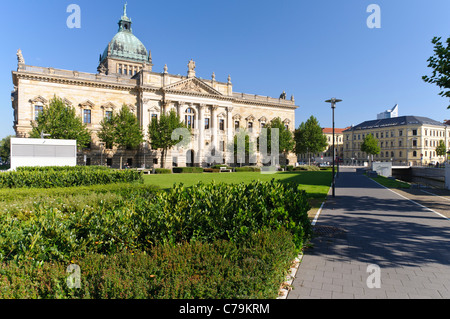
[224,169]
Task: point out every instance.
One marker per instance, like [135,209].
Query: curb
[286,286]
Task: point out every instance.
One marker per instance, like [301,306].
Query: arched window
[190,118]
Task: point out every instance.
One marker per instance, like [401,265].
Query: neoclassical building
[125,75]
[403,140]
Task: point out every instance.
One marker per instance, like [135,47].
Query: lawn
[391,183]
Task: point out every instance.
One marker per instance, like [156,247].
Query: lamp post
[333,102]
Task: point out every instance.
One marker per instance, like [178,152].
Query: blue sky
[313,50]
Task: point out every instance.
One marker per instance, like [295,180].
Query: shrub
[211,170]
[60,228]
[188,170]
[307,168]
[220,269]
[49,177]
[163,171]
[248,169]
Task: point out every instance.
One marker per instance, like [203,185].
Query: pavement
[371,242]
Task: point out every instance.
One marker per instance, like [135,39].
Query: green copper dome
[125,45]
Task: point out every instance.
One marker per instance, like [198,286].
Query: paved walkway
[366,225]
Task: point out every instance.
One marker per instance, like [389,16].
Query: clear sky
[313,50]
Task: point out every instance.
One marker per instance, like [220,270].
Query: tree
[441,150]
[61,122]
[370,145]
[5,148]
[286,138]
[440,63]
[121,130]
[309,138]
[160,133]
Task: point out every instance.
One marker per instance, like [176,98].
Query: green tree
[309,138]
[61,122]
[440,64]
[121,130]
[5,148]
[441,150]
[160,133]
[286,137]
[370,146]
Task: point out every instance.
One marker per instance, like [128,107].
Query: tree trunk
[163,157]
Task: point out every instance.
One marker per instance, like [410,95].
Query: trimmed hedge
[163,171]
[187,170]
[49,177]
[218,270]
[248,169]
[307,168]
[60,228]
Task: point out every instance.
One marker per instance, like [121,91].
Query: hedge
[63,227]
[248,169]
[50,177]
[163,171]
[187,170]
[218,270]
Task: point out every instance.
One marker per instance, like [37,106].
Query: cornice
[73,81]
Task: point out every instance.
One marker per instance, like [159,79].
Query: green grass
[391,183]
[316,184]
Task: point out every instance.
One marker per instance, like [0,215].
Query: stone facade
[405,140]
[126,77]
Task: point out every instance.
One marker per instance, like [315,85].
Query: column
[230,135]
[201,134]
[214,131]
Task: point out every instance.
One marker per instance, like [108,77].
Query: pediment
[192,85]
[39,99]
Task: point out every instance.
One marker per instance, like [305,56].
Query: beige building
[404,140]
[125,75]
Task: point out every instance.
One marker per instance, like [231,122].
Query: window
[414,132]
[392,154]
[400,143]
[190,118]
[108,115]
[400,133]
[222,124]
[250,126]
[382,134]
[206,123]
[414,154]
[236,125]
[376,135]
[263,125]
[120,69]
[154,117]
[87,116]
[38,109]
[414,143]
[400,154]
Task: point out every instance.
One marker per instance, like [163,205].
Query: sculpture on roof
[283,95]
[20,59]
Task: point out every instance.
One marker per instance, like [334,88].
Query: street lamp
[333,102]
